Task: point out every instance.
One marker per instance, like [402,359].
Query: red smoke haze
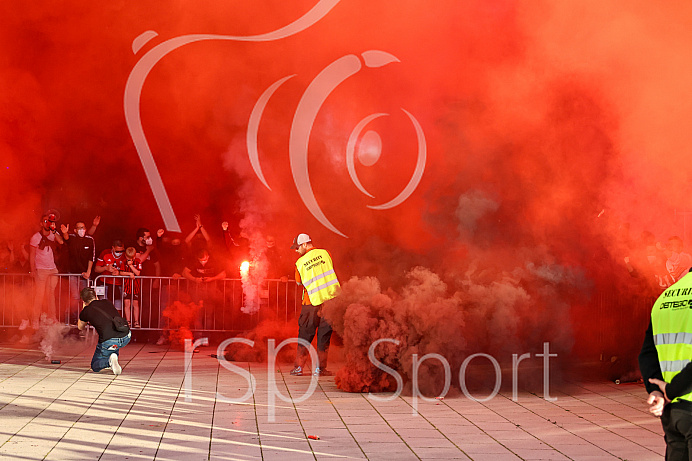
[553,129]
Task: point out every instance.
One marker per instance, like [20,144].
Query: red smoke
[182,318]
[555,135]
[498,313]
[267,329]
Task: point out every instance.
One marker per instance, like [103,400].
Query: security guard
[315,271]
[665,365]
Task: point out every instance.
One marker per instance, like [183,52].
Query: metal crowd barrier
[164,302]
[168,303]
[16,297]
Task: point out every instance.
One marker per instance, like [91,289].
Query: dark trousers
[677,427]
[114,293]
[309,324]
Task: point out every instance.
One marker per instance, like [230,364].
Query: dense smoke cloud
[555,135]
[496,313]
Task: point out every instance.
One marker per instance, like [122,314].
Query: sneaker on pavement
[24,325]
[322,372]
[297,371]
[115,366]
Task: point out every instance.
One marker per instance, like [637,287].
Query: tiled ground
[65,412]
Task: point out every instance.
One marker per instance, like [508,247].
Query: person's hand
[199,279]
[159,233]
[627,259]
[155,284]
[656,403]
[64,228]
[661,385]
[284,279]
[116,272]
[131,274]
[97,221]
[176,276]
[85,275]
[198,221]
[224,226]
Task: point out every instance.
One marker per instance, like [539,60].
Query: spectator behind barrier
[172,253]
[111,262]
[81,250]
[679,262]
[132,286]
[42,261]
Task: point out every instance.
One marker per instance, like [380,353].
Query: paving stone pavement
[66,412]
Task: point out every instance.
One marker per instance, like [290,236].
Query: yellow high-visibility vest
[671,323]
[317,276]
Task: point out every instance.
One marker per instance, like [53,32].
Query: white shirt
[44,258]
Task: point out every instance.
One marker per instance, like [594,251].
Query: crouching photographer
[113,330]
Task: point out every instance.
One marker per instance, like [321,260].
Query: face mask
[117,254]
[148,241]
[203,261]
[81,232]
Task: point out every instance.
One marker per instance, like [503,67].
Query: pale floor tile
[66,412]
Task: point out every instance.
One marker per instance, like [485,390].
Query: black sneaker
[297,371]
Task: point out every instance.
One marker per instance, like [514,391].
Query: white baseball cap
[298,241]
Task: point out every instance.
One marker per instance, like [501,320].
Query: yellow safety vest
[317,276]
[671,322]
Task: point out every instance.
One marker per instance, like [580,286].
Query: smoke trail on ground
[267,329]
[52,335]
